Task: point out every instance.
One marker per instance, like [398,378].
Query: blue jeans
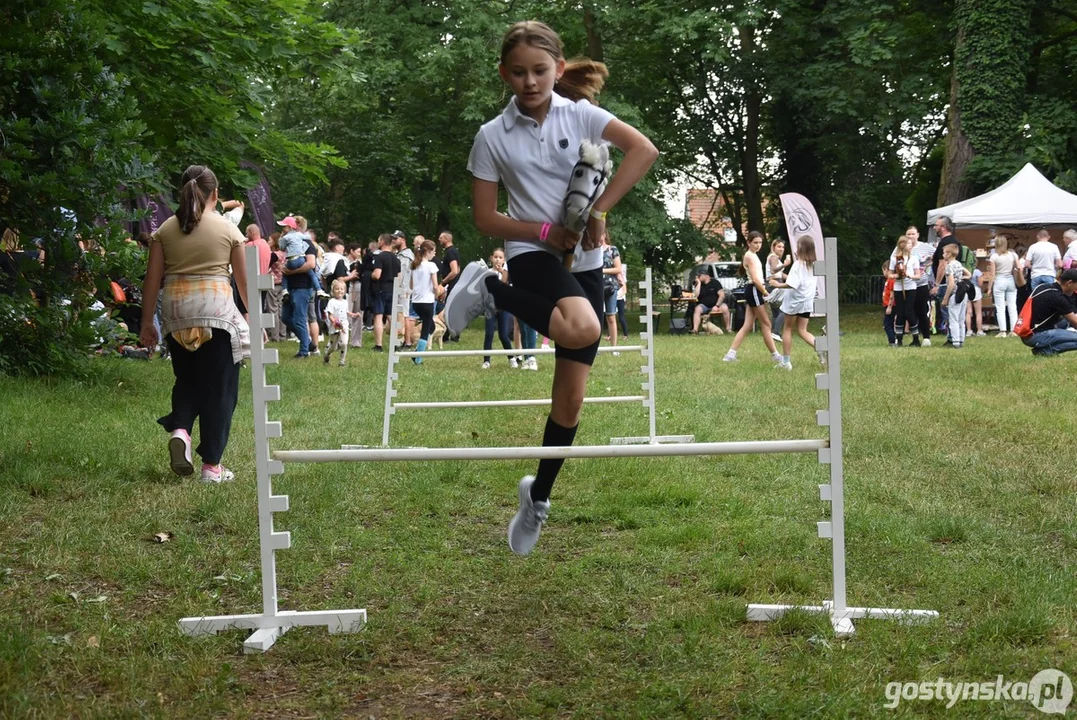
[298,318]
[1052,342]
[1041,280]
[502,324]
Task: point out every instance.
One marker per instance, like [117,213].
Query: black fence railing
[861,289]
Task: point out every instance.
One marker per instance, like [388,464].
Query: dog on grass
[439,332]
[712,329]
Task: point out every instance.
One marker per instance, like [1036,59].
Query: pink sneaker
[217,474]
[179,452]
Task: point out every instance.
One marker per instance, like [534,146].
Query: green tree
[69,144]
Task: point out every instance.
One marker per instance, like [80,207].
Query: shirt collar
[511,114]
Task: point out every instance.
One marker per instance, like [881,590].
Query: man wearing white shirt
[1044,259]
[1070,258]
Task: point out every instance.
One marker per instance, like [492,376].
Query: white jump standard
[272,622]
[645,351]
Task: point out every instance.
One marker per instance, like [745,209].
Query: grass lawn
[959,498]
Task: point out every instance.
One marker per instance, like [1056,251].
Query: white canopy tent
[1028,198]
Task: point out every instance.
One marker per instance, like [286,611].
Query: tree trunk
[749,159]
[959,151]
[594,39]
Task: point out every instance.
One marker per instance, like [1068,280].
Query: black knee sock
[533,309]
[555,436]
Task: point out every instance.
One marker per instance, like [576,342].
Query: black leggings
[923,308]
[425,311]
[207,388]
[539,280]
[905,309]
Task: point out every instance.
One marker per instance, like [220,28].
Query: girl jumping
[531,148]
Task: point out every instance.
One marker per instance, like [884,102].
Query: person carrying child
[294,243]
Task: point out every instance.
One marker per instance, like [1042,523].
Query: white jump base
[645,351]
[272,622]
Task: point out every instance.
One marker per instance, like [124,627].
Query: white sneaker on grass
[513,363]
[179,453]
[530,364]
[926,342]
[526,525]
[218,476]
[730,356]
[469,298]
[486,365]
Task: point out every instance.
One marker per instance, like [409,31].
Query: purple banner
[159,211]
[260,201]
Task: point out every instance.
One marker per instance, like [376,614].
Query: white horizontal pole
[510,403]
[533,351]
[555,453]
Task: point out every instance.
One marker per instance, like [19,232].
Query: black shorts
[753,297]
[543,274]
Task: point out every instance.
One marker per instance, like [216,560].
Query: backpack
[1023,327]
[967,257]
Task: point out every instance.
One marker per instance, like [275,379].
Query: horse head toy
[589,178]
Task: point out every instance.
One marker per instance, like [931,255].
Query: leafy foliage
[69,143]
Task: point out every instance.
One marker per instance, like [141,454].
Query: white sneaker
[469,298]
[615,354]
[776,337]
[981,334]
[531,364]
[216,478]
[782,365]
[730,357]
[926,342]
[513,363]
[179,453]
[526,525]
[486,365]
[1001,334]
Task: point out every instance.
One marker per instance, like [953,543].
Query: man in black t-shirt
[1054,321]
[450,264]
[386,268]
[709,295]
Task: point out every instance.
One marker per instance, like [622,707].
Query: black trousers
[425,311]
[905,309]
[923,306]
[207,388]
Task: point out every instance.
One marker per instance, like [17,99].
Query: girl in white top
[336,321]
[424,290]
[906,268]
[531,149]
[1001,285]
[799,300]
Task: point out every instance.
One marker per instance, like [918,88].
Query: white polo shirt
[534,162]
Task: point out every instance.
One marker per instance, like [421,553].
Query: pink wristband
[544,232]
